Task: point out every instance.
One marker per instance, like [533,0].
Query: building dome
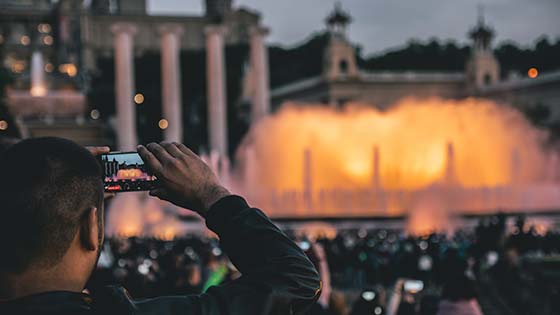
[481,34]
[338,17]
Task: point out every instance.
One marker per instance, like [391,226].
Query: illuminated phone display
[126,171]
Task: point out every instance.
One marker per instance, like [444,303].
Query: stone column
[216,89]
[171,80]
[260,72]
[124,85]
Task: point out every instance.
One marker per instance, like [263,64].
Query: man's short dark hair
[46,187]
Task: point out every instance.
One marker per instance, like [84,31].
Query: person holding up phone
[51,234]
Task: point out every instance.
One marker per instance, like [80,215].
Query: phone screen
[413,286]
[126,171]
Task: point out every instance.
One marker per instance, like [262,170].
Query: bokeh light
[49,67]
[94,114]
[533,73]
[163,124]
[3,125]
[18,67]
[48,40]
[24,40]
[139,98]
[68,68]
[44,28]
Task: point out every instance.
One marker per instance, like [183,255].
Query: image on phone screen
[126,171]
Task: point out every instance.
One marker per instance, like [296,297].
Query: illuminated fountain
[137,214]
[38,85]
[42,100]
[467,157]
[428,160]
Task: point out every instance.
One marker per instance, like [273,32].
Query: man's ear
[89,234]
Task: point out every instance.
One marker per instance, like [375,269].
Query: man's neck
[33,282]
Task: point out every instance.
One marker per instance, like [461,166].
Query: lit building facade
[52,49]
[341,80]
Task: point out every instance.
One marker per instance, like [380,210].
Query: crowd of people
[510,268]
[363,271]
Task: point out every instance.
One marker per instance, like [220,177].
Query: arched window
[487,79]
[343,66]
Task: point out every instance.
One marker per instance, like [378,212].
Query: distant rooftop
[296,86]
[375,77]
[520,83]
[412,76]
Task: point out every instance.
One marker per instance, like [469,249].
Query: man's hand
[95,151]
[186,180]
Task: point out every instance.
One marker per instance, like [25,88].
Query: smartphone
[126,171]
[413,286]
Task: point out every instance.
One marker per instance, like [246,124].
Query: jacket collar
[48,302]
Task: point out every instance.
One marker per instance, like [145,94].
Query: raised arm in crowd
[52,226]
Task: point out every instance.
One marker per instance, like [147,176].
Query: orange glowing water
[493,145]
[129,173]
[136,214]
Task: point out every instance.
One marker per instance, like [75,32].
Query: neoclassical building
[53,48]
[342,80]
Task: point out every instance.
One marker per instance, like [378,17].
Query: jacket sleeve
[275,272]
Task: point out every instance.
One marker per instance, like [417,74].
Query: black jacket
[277,277]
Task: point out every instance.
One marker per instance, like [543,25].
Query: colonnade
[123,37]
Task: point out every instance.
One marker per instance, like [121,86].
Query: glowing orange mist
[129,173]
[412,138]
[134,214]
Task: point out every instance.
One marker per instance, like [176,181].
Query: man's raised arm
[275,272]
